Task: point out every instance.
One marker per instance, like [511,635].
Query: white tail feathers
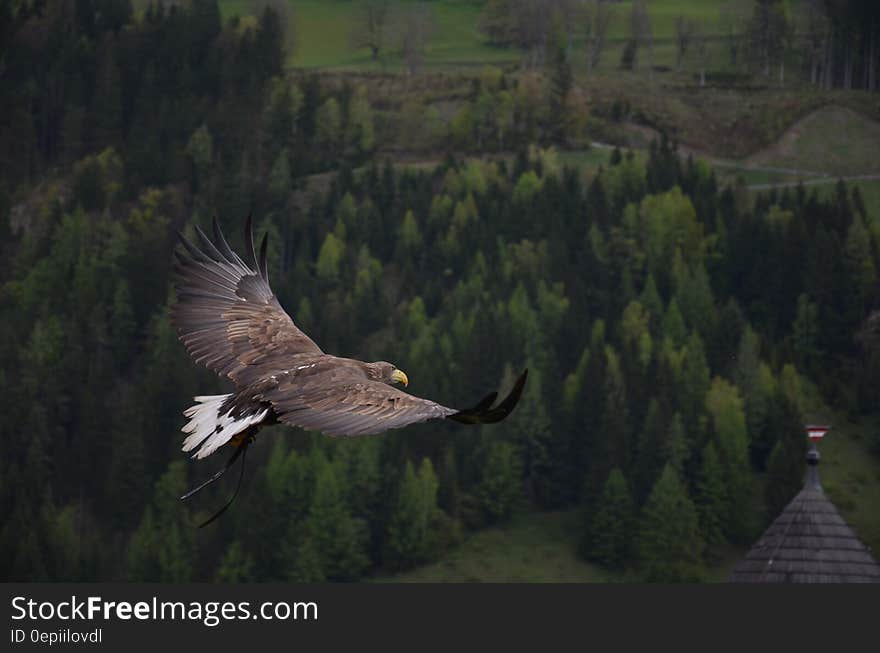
[210,429]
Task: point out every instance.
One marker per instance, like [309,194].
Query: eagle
[229,319]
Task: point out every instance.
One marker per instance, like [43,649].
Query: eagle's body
[230,320]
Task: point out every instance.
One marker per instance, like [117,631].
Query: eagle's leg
[241,449]
[216,476]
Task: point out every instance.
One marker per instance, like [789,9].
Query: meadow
[323,28]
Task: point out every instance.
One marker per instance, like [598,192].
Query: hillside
[832,140]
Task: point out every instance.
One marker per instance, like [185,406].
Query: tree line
[831,44]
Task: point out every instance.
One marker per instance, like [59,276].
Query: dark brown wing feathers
[227,315]
[351,407]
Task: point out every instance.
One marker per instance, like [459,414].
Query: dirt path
[818,177]
[813,182]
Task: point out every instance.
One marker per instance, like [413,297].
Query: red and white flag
[817,431]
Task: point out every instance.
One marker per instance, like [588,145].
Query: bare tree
[732,19]
[701,49]
[684,34]
[648,36]
[785,29]
[769,35]
[640,30]
[596,18]
[416,27]
[813,25]
[371,28]
[532,22]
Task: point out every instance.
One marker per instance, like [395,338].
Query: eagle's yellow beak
[400,377]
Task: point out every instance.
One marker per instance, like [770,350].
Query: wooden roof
[808,543]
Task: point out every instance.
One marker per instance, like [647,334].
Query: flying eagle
[229,320]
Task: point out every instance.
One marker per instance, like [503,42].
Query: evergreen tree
[560,88]
[669,543]
[236,566]
[711,499]
[163,548]
[693,384]
[728,422]
[609,532]
[500,488]
[338,538]
[411,536]
[785,466]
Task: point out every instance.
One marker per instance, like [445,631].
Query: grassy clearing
[534,547]
[834,140]
[322,28]
[586,160]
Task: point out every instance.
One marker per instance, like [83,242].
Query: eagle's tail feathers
[209,430]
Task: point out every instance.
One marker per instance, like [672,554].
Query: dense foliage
[670,326]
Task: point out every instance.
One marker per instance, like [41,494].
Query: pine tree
[411,537]
[339,539]
[785,466]
[560,88]
[711,498]
[693,384]
[614,425]
[673,324]
[500,488]
[669,542]
[270,43]
[122,324]
[805,334]
[609,533]
[236,566]
[545,461]
[307,565]
[728,420]
[676,448]
[163,548]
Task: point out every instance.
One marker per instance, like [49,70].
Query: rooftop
[808,543]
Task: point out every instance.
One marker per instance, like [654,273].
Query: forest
[675,328]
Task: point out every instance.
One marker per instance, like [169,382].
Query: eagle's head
[386,373]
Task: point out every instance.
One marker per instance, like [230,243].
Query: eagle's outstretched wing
[227,315]
[349,405]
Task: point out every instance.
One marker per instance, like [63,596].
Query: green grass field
[322,33]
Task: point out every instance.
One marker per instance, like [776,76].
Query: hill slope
[833,140]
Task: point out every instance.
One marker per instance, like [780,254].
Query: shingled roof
[808,543]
